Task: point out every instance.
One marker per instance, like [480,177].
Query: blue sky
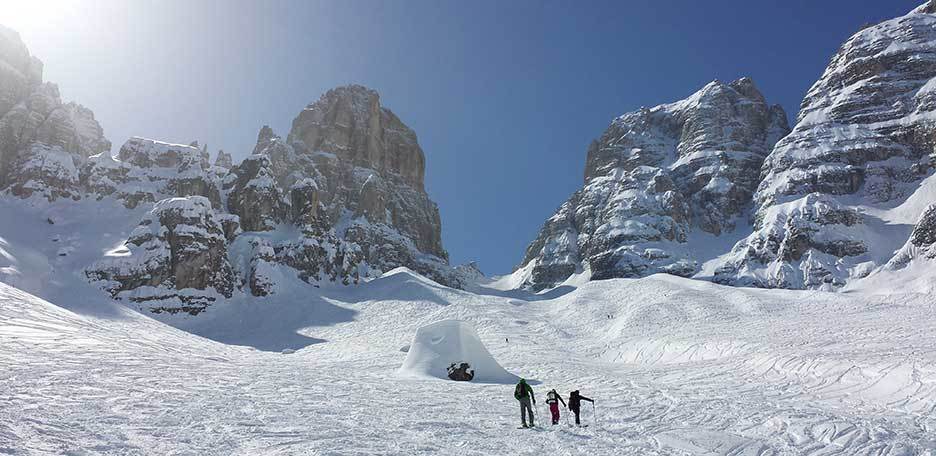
[504,96]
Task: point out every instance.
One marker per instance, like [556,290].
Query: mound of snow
[436,346]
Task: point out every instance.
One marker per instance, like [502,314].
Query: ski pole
[594,416]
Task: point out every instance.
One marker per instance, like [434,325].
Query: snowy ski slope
[676,366]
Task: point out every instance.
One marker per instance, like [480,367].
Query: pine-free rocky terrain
[723,283]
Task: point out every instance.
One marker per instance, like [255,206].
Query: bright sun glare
[23,15]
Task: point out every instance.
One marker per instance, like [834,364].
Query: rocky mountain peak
[861,145]
[264,136]
[927,8]
[34,120]
[745,86]
[350,123]
[345,208]
[224,160]
[655,176]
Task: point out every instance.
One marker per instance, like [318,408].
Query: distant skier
[553,398]
[575,402]
[524,393]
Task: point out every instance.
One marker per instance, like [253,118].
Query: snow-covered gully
[676,367]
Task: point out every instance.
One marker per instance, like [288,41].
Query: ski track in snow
[681,367]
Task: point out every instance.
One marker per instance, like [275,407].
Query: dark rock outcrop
[460,372]
[254,196]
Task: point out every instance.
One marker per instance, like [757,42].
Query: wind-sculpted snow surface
[681,367]
[863,141]
[655,177]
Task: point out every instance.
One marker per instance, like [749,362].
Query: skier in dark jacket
[524,393]
[575,402]
[553,399]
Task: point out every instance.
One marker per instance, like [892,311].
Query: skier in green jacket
[524,393]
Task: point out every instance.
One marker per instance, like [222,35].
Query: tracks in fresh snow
[679,368]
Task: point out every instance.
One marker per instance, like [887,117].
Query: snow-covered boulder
[653,178]
[437,346]
[174,261]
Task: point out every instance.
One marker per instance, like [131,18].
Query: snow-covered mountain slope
[914,264]
[676,367]
[662,186]
[340,200]
[862,144]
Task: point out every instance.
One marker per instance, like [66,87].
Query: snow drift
[436,346]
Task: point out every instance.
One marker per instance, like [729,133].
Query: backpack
[519,391]
[551,398]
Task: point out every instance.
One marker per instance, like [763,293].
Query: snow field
[680,367]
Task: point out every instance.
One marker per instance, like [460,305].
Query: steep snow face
[863,141]
[913,266]
[654,178]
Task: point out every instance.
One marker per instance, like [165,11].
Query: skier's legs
[576,412]
[525,409]
[554,410]
[522,412]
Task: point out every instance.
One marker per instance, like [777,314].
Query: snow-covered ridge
[862,145]
[655,179]
[831,201]
[341,200]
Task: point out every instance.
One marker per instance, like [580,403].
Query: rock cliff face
[175,260]
[654,177]
[340,200]
[146,171]
[349,206]
[350,174]
[38,133]
[862,143]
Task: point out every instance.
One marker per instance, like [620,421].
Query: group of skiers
[524,393]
